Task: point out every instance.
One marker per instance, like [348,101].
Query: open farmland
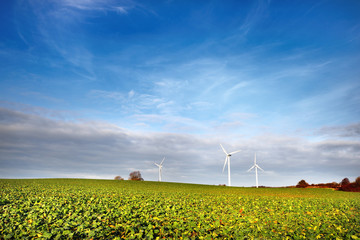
[108,209]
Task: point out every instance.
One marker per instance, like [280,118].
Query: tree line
[344,185]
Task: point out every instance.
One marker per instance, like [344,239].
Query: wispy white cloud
[200,105]
[58,25]
[235,88]
[132,101]
[220,81]
[229,126]
[327,103]
[170,122]
[117,96]
[314,6]
[354,32]
[54,27]
[255,14]
[237,82]
[100,5]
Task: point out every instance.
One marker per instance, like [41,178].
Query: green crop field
[109,209]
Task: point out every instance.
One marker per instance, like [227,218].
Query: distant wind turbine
[160,168]
[256,172]
[227,160]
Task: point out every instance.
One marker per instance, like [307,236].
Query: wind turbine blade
[260,168]
[223,149]
[226,159]
[255,159]
[250,168]
[234,152]
[162,161]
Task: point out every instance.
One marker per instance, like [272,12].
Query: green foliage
[100,209]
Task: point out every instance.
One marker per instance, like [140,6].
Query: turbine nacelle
[160,166]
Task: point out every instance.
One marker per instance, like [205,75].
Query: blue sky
[119,84]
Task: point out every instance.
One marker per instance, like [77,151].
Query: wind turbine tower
[227,161]
[256,172]
[160,168]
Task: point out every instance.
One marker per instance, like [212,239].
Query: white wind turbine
[227,160]
[160,168]
[256,172]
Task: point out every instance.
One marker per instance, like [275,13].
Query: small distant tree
[135,176]
[302,184]
[118,178]
[345,182]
